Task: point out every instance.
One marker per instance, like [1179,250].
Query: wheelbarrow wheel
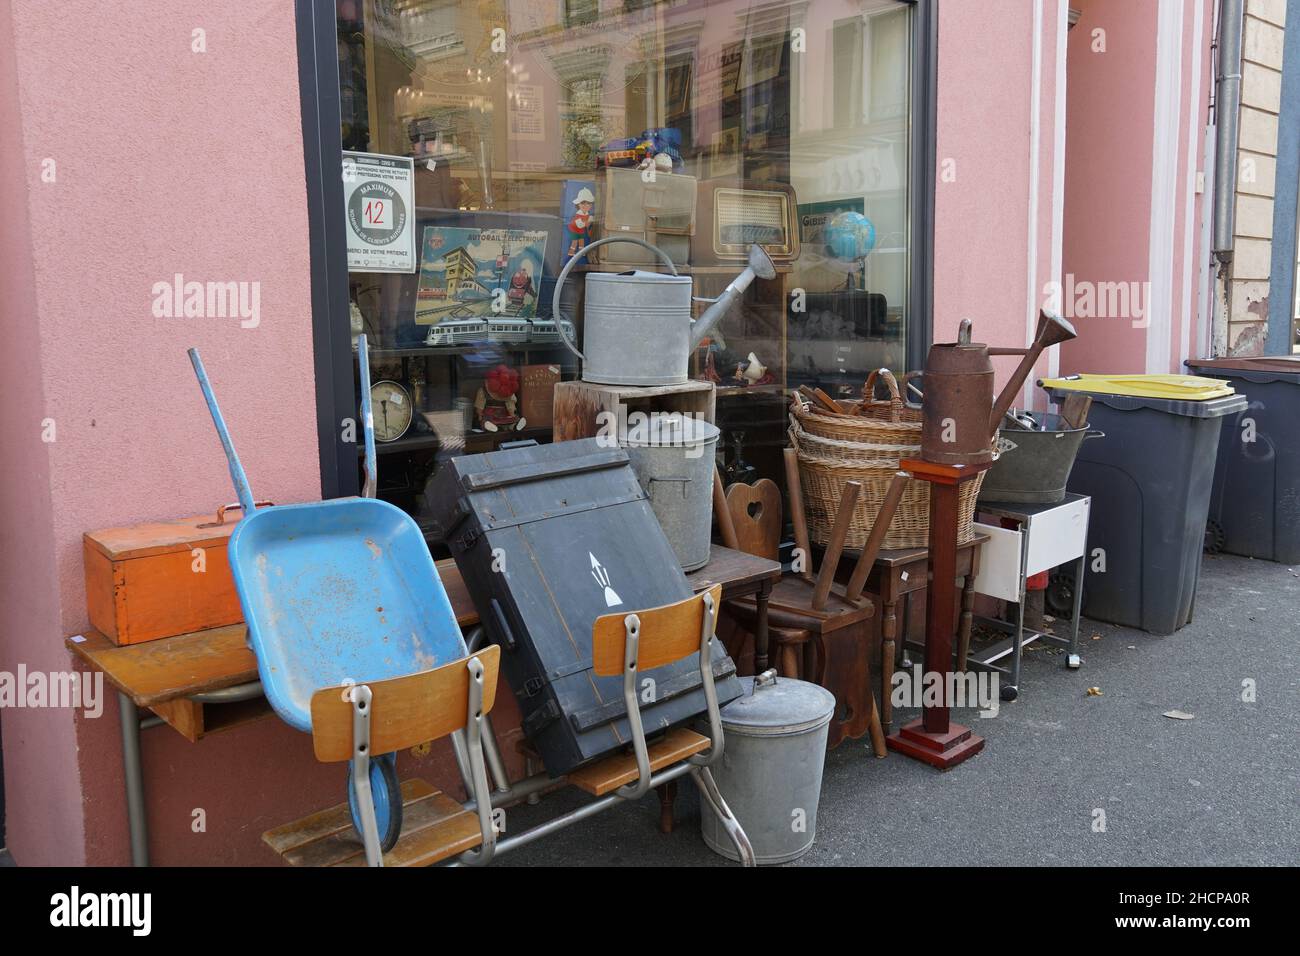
[386,792]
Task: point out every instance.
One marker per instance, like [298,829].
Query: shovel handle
[237,476]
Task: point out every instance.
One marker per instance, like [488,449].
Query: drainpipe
[1227,115]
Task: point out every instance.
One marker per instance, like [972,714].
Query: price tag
[397,399]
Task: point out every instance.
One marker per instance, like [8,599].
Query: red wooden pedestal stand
[933,738]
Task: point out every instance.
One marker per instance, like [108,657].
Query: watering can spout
[1052,330]
[760,267]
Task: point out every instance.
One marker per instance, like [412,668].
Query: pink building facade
[1067,156]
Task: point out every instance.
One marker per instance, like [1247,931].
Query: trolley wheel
[1074,662]
[1214,537]
[1059,596]
[1009,692]
[386,792]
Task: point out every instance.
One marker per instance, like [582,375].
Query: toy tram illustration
[501,328]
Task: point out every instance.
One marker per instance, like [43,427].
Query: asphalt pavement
[1065,778]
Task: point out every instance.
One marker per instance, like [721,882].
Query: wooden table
[896,575]
[206,681]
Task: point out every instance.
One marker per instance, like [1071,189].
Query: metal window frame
[322,142]
[318,80]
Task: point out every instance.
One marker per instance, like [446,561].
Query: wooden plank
[405,711]
[321,824]
[161,537]
[667,634]
[434,828]
[611,773]
[163,670]
[578,404]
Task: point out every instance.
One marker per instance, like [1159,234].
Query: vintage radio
[656,206]
[162,578]
[734,216]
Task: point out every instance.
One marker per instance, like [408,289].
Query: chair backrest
[756,515]
[642,640]
[665,634]
[405,711]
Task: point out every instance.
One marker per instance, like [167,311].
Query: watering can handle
[564,274]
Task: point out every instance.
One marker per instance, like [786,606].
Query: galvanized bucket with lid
[770,772]
[672,455]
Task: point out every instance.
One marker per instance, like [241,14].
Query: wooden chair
[835,616]
[354,721]
[629,643]
[750,519]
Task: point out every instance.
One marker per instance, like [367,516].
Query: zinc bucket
[770,772]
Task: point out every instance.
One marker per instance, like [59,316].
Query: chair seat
[606,776]
[434,828]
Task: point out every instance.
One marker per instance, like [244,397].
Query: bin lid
[1259,368]
[1183,388]
[665,430]
[777,706]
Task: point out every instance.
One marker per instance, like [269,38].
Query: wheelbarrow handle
[237,476]
[367,417]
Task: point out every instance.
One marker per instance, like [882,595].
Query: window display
[532,129]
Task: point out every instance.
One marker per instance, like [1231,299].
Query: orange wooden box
[144,582]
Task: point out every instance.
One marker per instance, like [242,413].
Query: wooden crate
[143,582]
[578,405]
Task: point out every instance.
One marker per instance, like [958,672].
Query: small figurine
[579,226]
[755,372]
[496,405]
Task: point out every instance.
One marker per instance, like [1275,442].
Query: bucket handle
[683,481]
[564,274]
[765,679]
[1094,433]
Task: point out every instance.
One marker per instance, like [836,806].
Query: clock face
[390,405]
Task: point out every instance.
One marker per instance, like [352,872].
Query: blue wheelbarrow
[335,592]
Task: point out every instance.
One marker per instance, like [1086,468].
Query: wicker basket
[822,478]
[889,422]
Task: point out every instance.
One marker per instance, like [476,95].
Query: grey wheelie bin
[1255,503]
[1149,480]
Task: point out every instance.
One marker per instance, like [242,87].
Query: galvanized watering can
[637,327]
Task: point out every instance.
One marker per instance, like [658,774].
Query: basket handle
[869,393]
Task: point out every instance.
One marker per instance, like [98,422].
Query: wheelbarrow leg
[137,823]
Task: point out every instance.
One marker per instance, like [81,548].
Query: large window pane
[529,123]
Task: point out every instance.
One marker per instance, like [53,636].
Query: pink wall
[1111,182]
[981,267]
[171,162]
[166,162]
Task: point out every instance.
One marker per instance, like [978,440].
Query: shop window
[512,132]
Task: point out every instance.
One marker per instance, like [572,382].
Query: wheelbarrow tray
[548,538]
[338,590]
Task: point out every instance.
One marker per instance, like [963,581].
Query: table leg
[132,770]
[888,635]
[760,628]
[967,616]
[667,794]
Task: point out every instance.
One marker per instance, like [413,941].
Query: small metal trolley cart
[1047,536]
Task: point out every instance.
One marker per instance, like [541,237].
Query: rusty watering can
[956,429]
[637,326]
